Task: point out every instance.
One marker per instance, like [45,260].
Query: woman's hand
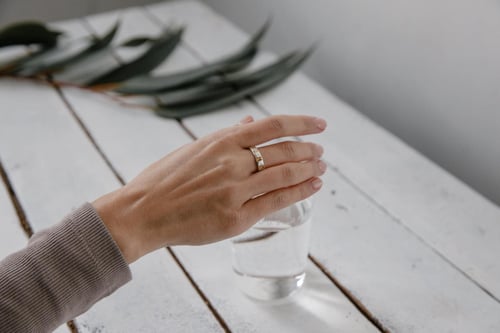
[210,189]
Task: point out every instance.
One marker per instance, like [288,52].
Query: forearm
[62,272]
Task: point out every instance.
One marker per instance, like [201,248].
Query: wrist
[116,212]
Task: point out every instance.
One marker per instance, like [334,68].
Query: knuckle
[289,150]
[232,221]
[228,197]
[228,164]
[220,147]
[276,124]
[304,191]
[287,174]
[279,201]
[216,136]
[223,141]
[232,217]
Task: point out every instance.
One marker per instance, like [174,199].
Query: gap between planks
[252,100]
[356,302]
[23,220]
[92,140]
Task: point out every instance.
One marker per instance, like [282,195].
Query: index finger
[277,127]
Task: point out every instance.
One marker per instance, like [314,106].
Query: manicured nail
[318,150]
[317,183]
[322,166]
[320,123]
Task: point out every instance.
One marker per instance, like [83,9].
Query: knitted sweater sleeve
[62,272]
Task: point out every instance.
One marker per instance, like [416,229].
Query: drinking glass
[270,258]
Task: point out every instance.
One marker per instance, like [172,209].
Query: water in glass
[270,258]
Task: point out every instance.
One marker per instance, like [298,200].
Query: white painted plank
[350,237]
[158,284]
[12,236]
[229,303]
[317,307]
[126,166]
[403,282]
[452,218]
[154,301]
[53,167]
[383,264]
[47,156]
[448,299]
[101,113]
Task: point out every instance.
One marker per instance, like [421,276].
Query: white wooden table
[398,244]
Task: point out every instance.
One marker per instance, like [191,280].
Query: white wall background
[427,70]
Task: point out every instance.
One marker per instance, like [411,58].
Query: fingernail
[316,184]
[320,123]
[322,166]
[246,120]
[318,150]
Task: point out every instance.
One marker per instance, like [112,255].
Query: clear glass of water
[270,258]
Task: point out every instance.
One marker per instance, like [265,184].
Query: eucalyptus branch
[205,88]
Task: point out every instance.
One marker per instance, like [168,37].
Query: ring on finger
[259,160]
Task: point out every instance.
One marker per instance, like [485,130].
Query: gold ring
[259,160]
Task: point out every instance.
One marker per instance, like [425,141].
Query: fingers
[256,209]
[289,151]
[282,176]
[275,127]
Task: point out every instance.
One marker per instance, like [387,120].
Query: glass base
[269,288]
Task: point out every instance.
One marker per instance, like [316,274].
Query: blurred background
[428,71]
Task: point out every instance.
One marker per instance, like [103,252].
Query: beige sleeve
[62,272]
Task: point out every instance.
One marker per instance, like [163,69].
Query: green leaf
[46,64]
[195,94]
[228,64]
[137,41]
[27,33]
[216,89]
[276,67]
[210,104]
[160,49]
[154,84]
[14,64]
[249,47]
